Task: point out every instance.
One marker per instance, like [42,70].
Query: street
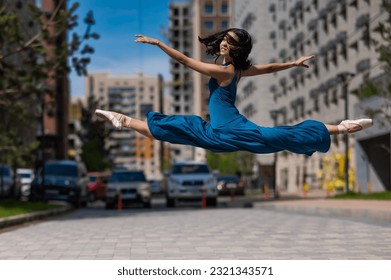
[230,231]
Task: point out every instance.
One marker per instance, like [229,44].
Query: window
[208,9]
[208,24]
[224,24]
[224,8]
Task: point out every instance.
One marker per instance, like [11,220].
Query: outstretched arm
[275,67]
[208,69]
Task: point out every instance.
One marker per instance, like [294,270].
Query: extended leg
[120,121]
[349,126]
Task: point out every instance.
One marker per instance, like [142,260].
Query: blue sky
[117,21]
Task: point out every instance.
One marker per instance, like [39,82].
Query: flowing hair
[239,55]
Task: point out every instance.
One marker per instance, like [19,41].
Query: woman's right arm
[208,69]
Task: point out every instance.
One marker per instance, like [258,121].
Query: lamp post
[345,78]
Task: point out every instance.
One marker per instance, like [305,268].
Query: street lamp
[345,78]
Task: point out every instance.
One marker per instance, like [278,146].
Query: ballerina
[228,130]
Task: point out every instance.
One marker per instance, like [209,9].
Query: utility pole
[345,78]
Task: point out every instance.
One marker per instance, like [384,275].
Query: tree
[93,150]
[239,163]
[26,66]
[381,88]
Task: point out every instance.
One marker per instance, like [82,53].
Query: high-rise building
[133,96]
[182,94]
[339,34]
[189,90]
[56,107]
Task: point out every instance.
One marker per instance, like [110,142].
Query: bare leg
[120,121]
[333,129]
[140,127]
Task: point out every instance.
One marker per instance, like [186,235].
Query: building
[182,93]
[339,34]
[189,91]
[133,96]
[55,119]
[75,130]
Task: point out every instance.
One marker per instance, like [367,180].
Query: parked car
[156,187]
[97,186]
[188,180]
[229,185]
[26,176]
[7,184]
[64,180]
[131,186]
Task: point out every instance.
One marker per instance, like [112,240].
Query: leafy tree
[30,56]
[239,163]
[381,88]
[93,150]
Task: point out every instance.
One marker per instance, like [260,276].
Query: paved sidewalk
[317,204]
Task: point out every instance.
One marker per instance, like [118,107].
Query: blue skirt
[239,134]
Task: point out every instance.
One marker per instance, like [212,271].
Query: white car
[26,177]
[190,181]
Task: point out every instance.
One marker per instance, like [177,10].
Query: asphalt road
[233,230]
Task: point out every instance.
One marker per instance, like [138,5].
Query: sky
[117,21]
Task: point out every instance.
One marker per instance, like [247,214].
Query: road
[233,230]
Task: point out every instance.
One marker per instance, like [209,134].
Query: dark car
[97,186]
[10,184]
[64,180]
[130,186]
[229,185]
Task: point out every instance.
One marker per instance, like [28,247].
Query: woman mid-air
[228,130]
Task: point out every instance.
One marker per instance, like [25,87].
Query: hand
[146,40]
[301,60]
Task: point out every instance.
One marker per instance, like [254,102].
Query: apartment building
[132,96]
[339,34]
[182,98]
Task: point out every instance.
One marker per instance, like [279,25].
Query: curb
[23,218]
[368,214]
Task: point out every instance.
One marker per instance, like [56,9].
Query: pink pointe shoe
[110,117]
[351,126]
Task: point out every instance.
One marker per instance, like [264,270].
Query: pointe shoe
[351,126]
[110,117]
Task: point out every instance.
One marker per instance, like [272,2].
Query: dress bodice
[222,102]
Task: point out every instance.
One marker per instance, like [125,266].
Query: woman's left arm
[275,67]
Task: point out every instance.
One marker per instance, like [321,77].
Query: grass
[12,207]
[372,196]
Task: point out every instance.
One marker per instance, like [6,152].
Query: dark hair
[239,55]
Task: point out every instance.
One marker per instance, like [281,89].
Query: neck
[227,61]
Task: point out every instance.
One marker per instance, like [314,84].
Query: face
[225,46]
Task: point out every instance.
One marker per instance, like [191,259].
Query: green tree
[231,163]
[93,150]
[27,63]
[381,88]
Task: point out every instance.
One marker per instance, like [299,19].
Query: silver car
[26,177]
[191,181]
[128,187]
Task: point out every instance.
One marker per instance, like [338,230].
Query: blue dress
[229,131]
